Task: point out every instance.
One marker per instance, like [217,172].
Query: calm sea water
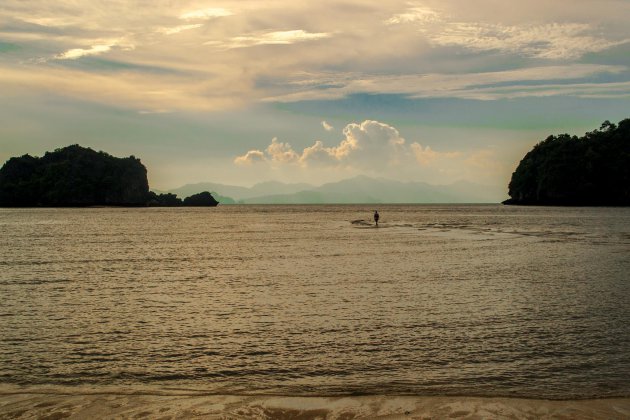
[449,300]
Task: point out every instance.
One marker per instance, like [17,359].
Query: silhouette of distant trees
[171,200]
[201,199]
[163,200]
[568,170]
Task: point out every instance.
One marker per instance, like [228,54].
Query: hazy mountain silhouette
[239,193]
[360,189]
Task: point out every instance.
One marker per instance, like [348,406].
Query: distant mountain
[223,199]
[363,189]
[360,189]
[231,191]
[240,193]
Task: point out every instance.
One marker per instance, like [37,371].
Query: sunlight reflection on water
[474,300]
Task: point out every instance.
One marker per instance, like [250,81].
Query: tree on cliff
[204,199]
[73,176]
[163,200]
[568,170]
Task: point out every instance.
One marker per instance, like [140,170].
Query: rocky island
[564,170]
[76,176]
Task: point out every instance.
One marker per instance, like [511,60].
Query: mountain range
[360,189]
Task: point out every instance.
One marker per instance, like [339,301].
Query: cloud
[217,53]
[205,14]
[281,152]
[549,41]
[269,38]
[368,145]
[52,21]
[426,156]
[415,14]
[377,149]
[318,154]
[370,140]
[253,156]
[180,28]
[75,53]
[101,47]
[327,126]
[533,81]
[555,40]
[293,51]
[135,90]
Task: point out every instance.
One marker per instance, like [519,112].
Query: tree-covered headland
[79,176]
[203,199]
[592,170]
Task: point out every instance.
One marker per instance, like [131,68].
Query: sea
[463,300]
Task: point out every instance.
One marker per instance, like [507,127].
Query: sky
[240,92]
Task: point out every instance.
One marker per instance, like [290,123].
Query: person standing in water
[376,217]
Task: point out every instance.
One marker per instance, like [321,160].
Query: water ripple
[439,300]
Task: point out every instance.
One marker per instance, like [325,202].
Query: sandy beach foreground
[72,403]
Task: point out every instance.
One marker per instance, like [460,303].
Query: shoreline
[126,402]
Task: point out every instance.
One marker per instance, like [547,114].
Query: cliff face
[565,170]
[73,176]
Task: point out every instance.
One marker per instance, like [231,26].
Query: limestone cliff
[73,176]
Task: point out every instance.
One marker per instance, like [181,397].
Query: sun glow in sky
[246,91]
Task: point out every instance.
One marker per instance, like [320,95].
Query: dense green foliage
[73,176]
[568,170]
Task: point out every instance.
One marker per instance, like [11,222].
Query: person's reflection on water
[376,217]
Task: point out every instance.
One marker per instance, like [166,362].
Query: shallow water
[449,300]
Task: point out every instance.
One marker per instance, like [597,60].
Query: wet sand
[110,403]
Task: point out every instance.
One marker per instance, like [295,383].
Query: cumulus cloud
[327,126]
[253,156]
[319,154]
[371,140]
[281,152]
[369,145]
